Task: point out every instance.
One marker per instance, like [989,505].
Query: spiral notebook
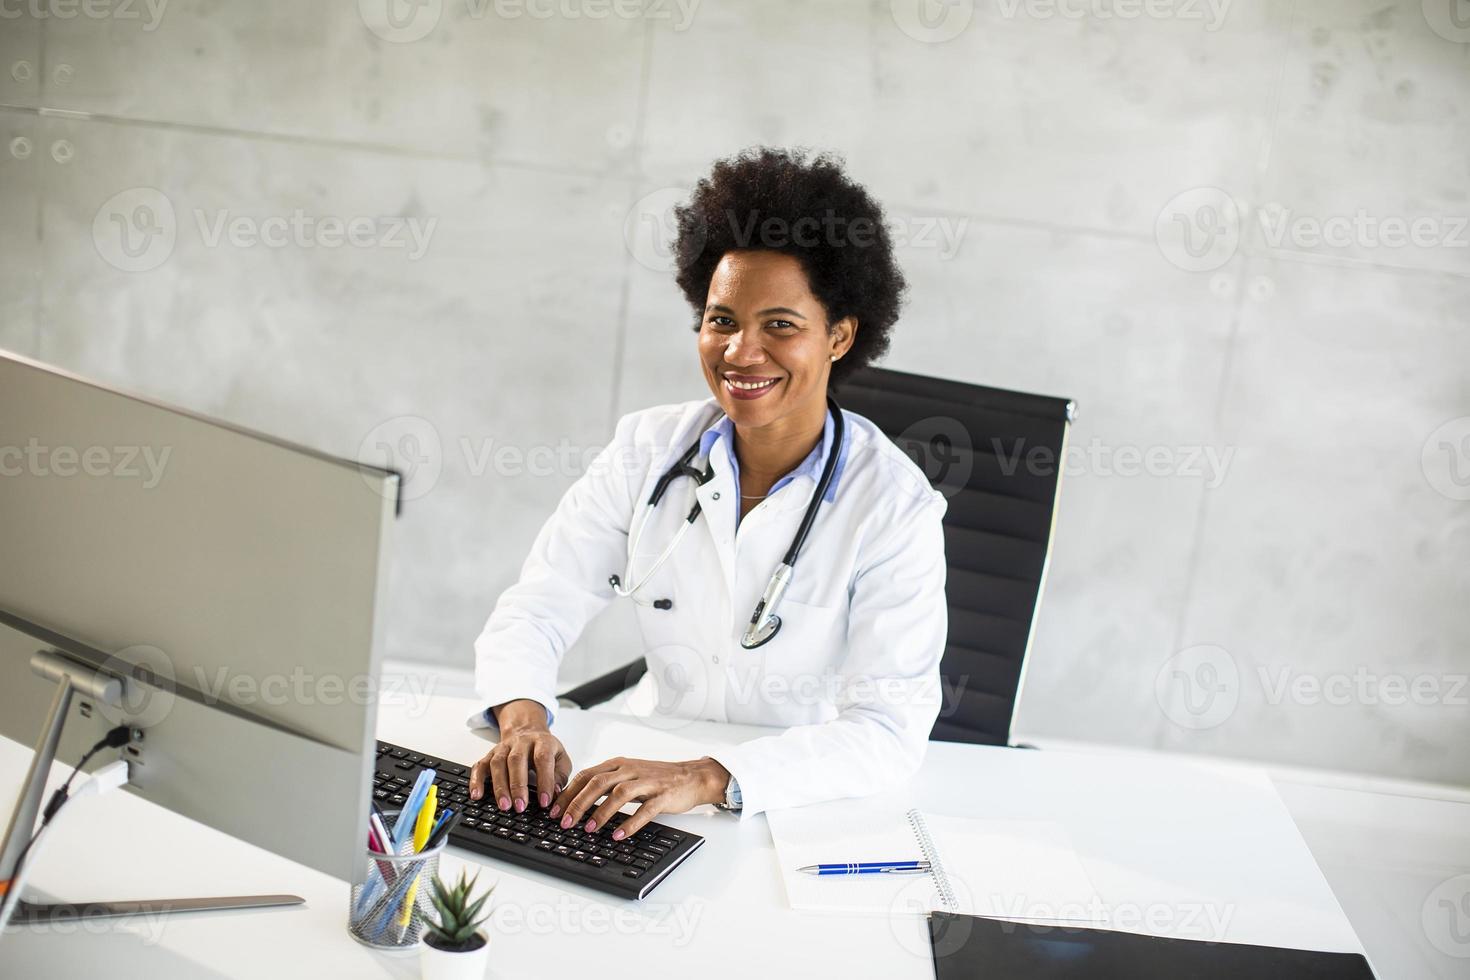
[1016,869]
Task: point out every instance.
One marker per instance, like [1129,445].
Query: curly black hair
[766,198]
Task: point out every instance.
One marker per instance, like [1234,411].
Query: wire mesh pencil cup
[375,915]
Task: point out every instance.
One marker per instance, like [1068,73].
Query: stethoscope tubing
[756,633]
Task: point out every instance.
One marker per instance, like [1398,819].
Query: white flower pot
[438,964]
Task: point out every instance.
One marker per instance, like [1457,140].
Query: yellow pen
[422,827]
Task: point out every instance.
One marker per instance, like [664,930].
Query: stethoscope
[764,623]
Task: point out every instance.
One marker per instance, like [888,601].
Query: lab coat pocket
[799,665]
[809,634]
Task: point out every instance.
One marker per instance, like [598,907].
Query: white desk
[1172,839]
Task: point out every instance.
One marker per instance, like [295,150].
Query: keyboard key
[665,842]
[580,855]
[502,833]
[597,862]
[622,859]
[632,873]
[641,863]
[563,850]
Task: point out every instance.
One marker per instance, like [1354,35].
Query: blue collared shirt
[812,465]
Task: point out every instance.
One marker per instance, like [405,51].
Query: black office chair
[997,455]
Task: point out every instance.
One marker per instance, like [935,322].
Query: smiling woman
[783,260]
[790,270]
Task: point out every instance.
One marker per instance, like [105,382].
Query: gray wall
[1093,203]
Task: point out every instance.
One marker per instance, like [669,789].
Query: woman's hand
[526,745]
[661,787]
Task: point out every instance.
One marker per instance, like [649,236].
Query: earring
[834,357]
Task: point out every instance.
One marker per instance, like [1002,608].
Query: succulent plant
[457,926]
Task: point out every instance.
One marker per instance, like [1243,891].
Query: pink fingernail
[546,799]
[617,835]
[554,811]
[591,826]
[477,793]
[520,806]
[505,803]
[566,822]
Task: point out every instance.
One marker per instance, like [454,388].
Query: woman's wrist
[521,715]
[713,779]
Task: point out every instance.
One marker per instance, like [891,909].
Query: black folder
[969,948]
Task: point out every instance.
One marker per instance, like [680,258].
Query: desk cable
[109,777]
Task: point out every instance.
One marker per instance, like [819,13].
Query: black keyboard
[629,868]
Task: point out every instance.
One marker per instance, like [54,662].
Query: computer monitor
[233,580]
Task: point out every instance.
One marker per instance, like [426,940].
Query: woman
[791,273]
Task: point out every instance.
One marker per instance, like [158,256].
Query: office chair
[997,455]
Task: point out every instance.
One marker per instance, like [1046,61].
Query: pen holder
[375,915]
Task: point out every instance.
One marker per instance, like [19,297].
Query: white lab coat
[853,674]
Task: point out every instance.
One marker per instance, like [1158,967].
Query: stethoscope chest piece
[759,636]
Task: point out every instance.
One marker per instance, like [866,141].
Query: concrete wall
[1263,548]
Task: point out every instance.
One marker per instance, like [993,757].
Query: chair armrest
[600,689]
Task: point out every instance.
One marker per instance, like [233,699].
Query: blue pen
[868,868]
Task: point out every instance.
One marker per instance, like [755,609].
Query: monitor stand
[71,678]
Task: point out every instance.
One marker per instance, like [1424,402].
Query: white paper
[870,829]
[1015,869]
[1011,869]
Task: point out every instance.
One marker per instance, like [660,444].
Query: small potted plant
[454,946]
